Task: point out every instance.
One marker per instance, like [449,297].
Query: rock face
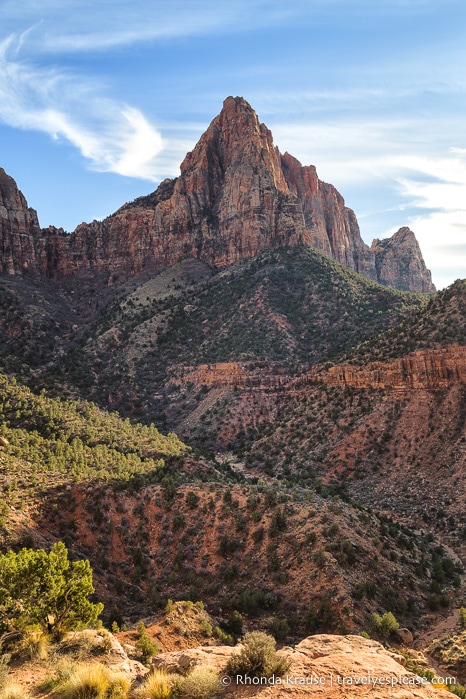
[430,369]
[399,262]
[324,665]
[236,196]
[330,226]
[22,246]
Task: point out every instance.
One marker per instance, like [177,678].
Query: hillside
[277,314]
[157,522]
[440,323]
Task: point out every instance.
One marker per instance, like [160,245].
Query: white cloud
[437,187]
[112,136]
[358,155]
[83,25]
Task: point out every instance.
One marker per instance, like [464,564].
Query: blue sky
[101,100]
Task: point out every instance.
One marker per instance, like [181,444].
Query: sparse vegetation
[159,685]
[93,680]
[384,624]
[258,658]
[201,683]
[145,645]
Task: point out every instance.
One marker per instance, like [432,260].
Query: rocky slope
[322,665]
[236,196]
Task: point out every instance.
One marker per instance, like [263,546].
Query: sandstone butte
[236,196]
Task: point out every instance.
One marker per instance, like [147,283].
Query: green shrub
[279,628]
[206,628]
[192,500]
[201,683]
[225,638]
[145,645]
[257,658]
[45,589]
[383,625]
[234,624]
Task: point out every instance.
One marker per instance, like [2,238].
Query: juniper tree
[46,589]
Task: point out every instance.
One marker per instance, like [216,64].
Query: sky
[100,100]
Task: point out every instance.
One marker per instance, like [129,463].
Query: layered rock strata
[430,369]
[235,197]
[22,245]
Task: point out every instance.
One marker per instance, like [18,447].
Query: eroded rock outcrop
[235,197]
[399,262]
[430,369]
[22,246]
[331,226]
[324,665]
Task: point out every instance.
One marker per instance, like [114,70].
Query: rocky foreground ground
[323,665]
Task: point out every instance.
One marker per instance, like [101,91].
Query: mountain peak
[236,196]
[236,140]
[399,258]
[235,103]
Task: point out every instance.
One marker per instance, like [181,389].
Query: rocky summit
[236,196]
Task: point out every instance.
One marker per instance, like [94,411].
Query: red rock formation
[333,228]
[235,197]
[430,369]
[226,374]
[399,262]
[22,246]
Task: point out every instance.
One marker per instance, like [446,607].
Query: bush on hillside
[257,658]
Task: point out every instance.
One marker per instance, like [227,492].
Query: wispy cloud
[63,25]
[112,136]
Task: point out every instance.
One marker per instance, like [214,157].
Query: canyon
[313,471]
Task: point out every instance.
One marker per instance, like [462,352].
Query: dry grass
[202,683]
[159,685]
[13,691]
[35,645]
[94,681]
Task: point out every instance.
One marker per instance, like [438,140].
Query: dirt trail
[209,401]
[447,625]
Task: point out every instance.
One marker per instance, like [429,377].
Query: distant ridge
[236,196]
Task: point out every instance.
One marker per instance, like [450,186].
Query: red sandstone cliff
[236,196]
[332,227]
[22,246]
[399,262]
[429,369]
